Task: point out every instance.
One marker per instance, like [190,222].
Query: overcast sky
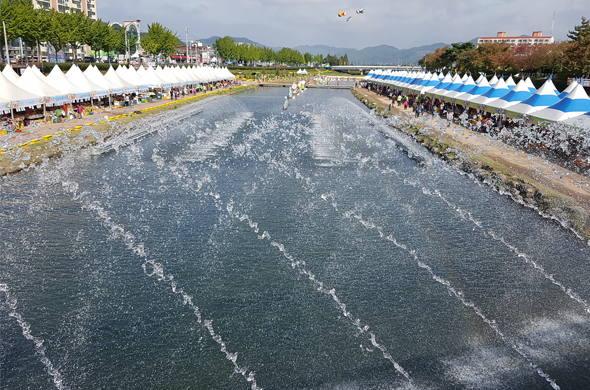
[403,24]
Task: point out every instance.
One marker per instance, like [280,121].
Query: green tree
[160,40]
[94,35]
[226,48]
[58,30]
[308,58]
[79,26]
[577,56]
[583,30]
[11,12]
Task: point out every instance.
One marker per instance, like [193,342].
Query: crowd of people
[32,117]
[557,142]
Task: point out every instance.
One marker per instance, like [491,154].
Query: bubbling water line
[154,269]
[457,293]
[300,266]
[26,330]
[295,264]
[468,217]
[369,225]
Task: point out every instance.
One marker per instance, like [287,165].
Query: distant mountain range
[383,54]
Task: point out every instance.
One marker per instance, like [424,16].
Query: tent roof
[98,78]
[493,80]
[543,97]
[497,91]
[30,81]
[519,93]
[78,78]
[152,80]
[10,74]
[114,78]
[510,82]
[10,92]
[58,80]
[568,89]
[574,104]
[482,87]
[530,84]
[468,85]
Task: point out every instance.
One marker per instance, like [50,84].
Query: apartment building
[86,6]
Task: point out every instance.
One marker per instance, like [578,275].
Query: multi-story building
[536,39]
[88,7]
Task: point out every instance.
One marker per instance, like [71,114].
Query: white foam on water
[549,339]
[481,367]
[322,133]
[210,141]
[459,295]
[11,303]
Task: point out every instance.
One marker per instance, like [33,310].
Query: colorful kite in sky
[350,17]
[341,14]
[360,11]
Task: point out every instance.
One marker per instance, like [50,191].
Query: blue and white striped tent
[530,85]
[576,103]
[467,86]
[482,87]
[568,89]
[432,83]
[515,96]
[446,81]
[493,80]
[510,83]
[456,82]
[542,98]
[497,91]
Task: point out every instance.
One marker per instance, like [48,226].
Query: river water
[245,247]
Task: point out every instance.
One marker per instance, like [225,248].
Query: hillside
[382,54]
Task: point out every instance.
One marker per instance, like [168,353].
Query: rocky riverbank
[551,190]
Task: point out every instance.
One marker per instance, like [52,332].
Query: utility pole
[186,42]
[127,47]
[6,43]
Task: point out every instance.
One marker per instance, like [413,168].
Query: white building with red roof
[536,39]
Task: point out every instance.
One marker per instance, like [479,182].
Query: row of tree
[571,56]
[59,29]
[74,29]
[230,50]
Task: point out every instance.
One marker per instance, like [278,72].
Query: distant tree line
[232,51]
[571,56]
[35,26]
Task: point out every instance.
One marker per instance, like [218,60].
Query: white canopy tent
[58,80]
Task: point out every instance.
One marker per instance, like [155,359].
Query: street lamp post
[127,47]
[186,42]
